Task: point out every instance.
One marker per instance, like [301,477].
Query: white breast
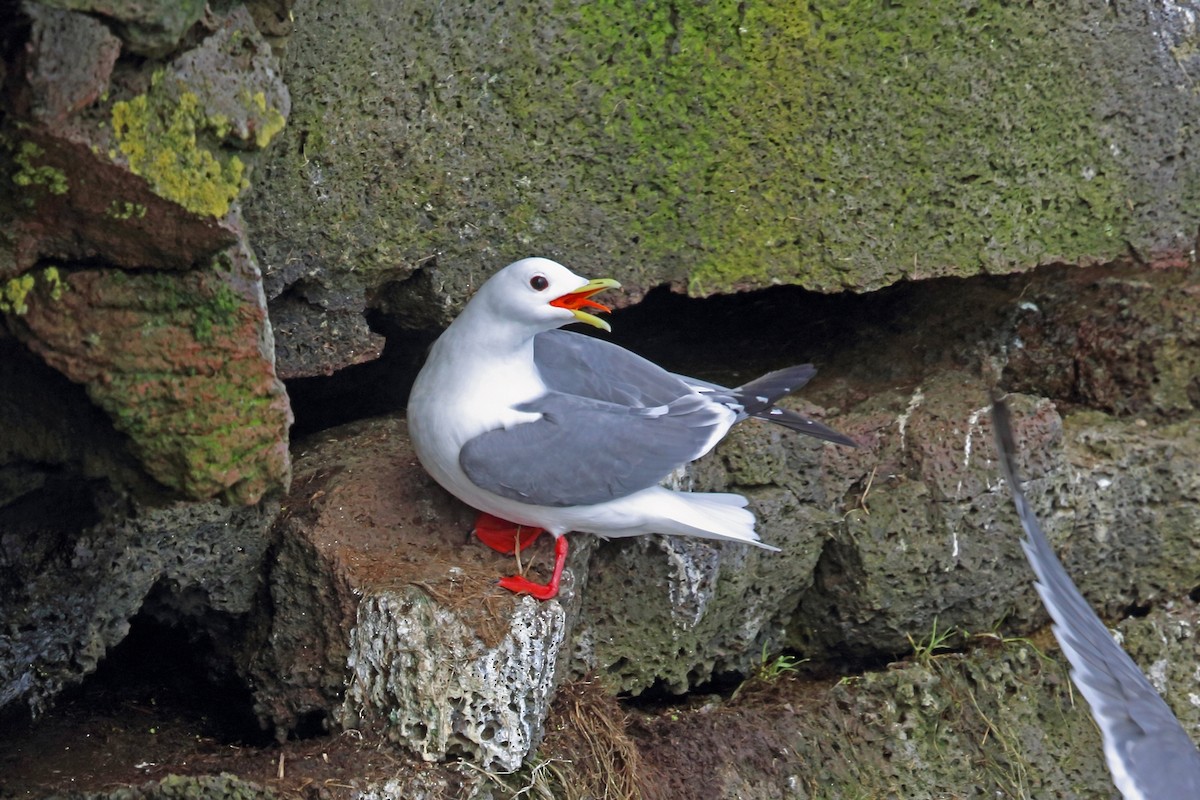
[459,394]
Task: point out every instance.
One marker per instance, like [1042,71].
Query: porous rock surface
[422,675]
[670,611]
[828,148]
[1000,720]
[715,147]
[915,526]
[71,587]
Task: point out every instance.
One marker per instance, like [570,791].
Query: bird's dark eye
[539,282]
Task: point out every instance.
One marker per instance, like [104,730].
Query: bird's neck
[500,338]
[490,361]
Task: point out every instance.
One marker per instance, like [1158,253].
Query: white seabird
[1149,754]
[546,429]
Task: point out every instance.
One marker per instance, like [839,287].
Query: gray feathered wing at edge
[1148,752]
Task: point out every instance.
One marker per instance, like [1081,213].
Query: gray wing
[1148,752]
[584,451]
[572,363]
[589,367]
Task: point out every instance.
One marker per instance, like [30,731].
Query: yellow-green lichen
[219,123]
[28,173]
[54,283]
[160,141]
[14,293]
[267,119]
[275,121]
[123,210]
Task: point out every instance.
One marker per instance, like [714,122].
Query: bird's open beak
[581,298]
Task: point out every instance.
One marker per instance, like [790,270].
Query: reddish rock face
[106,214]
[122,161]
[182,364]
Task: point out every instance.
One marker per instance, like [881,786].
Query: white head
[538,294]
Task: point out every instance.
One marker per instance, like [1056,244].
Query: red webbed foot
[504,536]
[542,591]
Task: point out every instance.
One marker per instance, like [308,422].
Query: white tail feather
[709,516]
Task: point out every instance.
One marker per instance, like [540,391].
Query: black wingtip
[757,399]
[802,424]
[834,437]
[761,393]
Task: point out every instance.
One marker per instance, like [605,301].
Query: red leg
[542,591]
[504,536]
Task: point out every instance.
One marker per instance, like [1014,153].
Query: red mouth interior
[576,301]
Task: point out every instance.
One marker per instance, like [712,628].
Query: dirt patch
[101,742]
[105,739]
[688,749]
[756,745]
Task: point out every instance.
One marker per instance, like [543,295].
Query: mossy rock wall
[723,145]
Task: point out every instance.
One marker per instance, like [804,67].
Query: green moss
[160,139]
[29,174]
[717,145]
[778,140]
[209,307]
[195,407]
[219,310]
[191,431]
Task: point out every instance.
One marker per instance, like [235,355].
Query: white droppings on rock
[1158,676]
[972,423]
[914,402]
[680,479]
[692,580]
